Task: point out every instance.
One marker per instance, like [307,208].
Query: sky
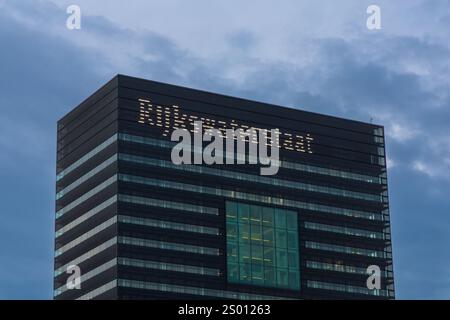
[313,55]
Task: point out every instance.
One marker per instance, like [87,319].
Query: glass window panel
[269,256]
[282,261]
[243,212]
[293,259]
[292,239]
[257,274]
[282,277]
[267,216]
[244,232]
[269,276]
[280,218]
[232,251]
[245,272]
[268,236]
[257,253]
[256,232]
[294,282]
[232,231]
[255,214]
[244,253]
[281,238]
[291,220]
[231,209]
[233,271]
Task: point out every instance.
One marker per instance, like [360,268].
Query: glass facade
[262,246]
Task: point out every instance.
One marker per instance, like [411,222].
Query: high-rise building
[140,226]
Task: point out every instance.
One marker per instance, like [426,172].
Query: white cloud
[390,163]
[425,168]
[396,125]
[434,162]
[401,132]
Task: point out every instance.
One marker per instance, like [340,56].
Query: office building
[140,226]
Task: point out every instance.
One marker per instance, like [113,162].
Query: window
[262,246]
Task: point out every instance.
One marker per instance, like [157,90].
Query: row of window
[150,243]
[168,204]
[345,288]
[347,250]
[86,196]
[87,156]
[257,236]
[85,216]
[145,264]
[283,164]
[158,265]
[339,267]
[175,289]
[86,176]
[88,275]
[100,290]
[252,178]
[91,253]
[248,196]
[265,216]
[86,236]
[145,201]
[260,275]
[164,287]
[168,225]
[138,221]
[344,230]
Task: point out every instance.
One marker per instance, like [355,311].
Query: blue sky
[314,55]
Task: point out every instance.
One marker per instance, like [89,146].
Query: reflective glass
[264,249]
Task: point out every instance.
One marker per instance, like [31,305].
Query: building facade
[139,226]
